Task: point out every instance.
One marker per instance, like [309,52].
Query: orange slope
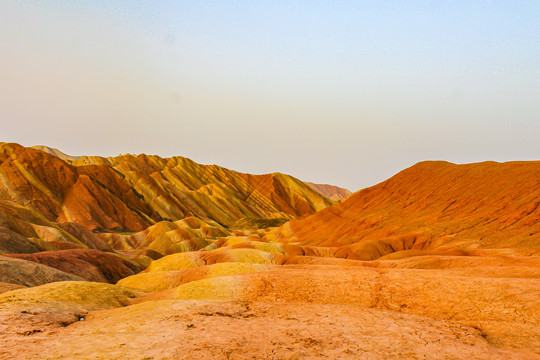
[431,205]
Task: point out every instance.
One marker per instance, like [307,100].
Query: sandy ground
[296,312]
[221,329]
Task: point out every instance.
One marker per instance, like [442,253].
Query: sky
[340,92]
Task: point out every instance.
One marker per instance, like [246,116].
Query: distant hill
[55,152]
[332,192]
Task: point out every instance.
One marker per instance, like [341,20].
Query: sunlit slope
[178,187]
[431,205]
[59,203]
[95,197]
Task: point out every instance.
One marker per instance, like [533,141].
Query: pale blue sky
[340,92]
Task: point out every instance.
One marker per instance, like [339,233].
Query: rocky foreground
[444,307]
[441,261]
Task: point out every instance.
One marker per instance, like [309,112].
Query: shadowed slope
[11,242]
[5,287]
[91,265]
[431,205]
[28,273]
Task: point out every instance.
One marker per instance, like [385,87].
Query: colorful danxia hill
[143,257]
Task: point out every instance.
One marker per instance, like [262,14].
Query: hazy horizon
[339,93]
